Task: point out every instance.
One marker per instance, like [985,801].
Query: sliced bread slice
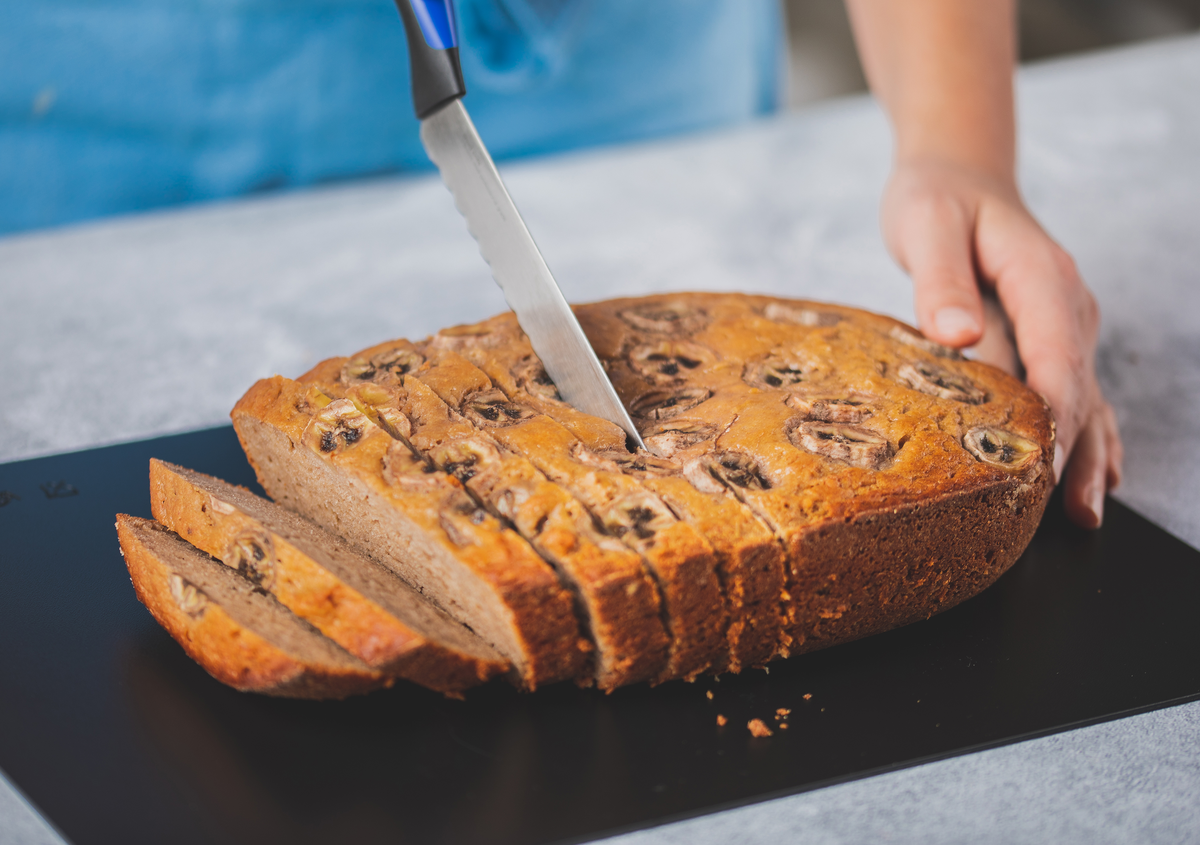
[351,599]
[240,636]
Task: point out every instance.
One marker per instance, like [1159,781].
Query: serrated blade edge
[517,265]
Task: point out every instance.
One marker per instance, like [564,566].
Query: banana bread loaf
[815,474]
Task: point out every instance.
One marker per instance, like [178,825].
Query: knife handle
[432,53]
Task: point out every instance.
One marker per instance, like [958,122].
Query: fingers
[1056,371]
[949,230]
[1090,473]
[997,347]
[931,236]
[1055,321]
[1113,447]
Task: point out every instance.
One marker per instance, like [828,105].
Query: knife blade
[493,220]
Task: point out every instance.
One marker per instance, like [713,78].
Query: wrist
[943,71]
[958,169]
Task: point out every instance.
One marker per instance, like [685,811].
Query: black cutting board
[119,738]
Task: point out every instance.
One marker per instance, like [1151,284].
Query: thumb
[933,241]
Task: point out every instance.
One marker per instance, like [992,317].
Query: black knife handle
[432,53]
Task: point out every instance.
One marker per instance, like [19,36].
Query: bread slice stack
[815,474]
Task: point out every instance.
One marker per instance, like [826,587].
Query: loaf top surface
[837,410]
[850,409]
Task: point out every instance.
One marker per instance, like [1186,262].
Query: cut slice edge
[240,636]
[352,599]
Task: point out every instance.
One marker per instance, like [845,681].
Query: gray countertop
[145,325]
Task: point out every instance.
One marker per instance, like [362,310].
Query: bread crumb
[709,694]
[758,729]
[808,696]
[721,720]
[783,726]
[782,713]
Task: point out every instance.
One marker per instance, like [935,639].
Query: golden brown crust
[849,434]
[618,603]
[284,434]
[208,516]
[227,650]
[880,570]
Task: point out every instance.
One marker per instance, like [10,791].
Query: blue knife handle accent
[436,18]
[432,54]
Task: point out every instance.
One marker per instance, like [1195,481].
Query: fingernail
[1060,459]
[1095,499]
[954,322]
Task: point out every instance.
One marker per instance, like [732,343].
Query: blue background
[110,106]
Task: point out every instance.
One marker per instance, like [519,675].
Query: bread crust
[415,518]
[907,490]
[846,581]
[227,650]
[212,516]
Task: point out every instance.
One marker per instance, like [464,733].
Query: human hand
[961,233]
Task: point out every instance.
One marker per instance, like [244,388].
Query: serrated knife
[492,218]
